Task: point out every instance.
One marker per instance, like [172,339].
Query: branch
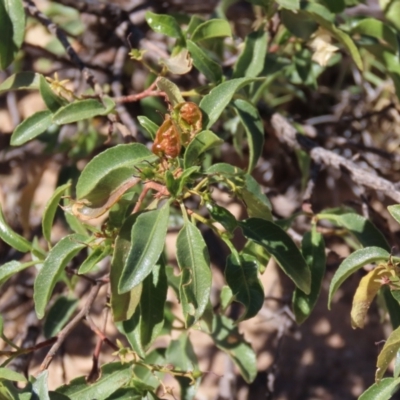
[287,134]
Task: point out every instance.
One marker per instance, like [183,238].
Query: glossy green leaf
[98,254]
[241,274]
[208,67]
[20,81]
[395,212]
[59,256]
[313,249]
[108,170]
[172,91]
[383,390]
[148,239]
[289,4]
[362,228]
[223,216]
[211,29]
[51,209]
[282,248]
[226,336]
[377,29]
[10,375]
[202,142]
[251,61]
[82,109]
[388,352]
[259,253]
[52,101]
[58,316]
[150,127]
[254,128]
[9,269]
[31,127]
[12,238]
[341,37]
[152,302]
[12,30]
[113,376]
[123,305]
[215,102]
[299,24]
[354,262]
[194,263]
[39,387]
[131,329]
[335,6]
[164,24]
[181,355]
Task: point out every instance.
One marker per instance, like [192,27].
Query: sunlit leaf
[383,390]
[12,238]
[211,29]
[388,352]
[164,24]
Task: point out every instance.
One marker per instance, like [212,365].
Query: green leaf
[12,238]
[254,128]
[10,375]
[148,239]
[150,127]
[299,24]
[362,228]
[282,248]
[377,29]
[152,378]
[388,352]
[131,329]
[52,101]
[382,390]
[289,4]
[354,262]
[152,302]
[241,274]
[164,24]
[39,387]
[194,263]
[313,249]
[223,216]
[341,37]
[251,61]
[113,376]
[335,6]
[82,109]
[31,127]
[392,306]
[211,29]
[59,256]
[173,93]
[208,67]
[202,142]
[123,305]
[9,269]
[108,170]
[20,81]
[58,316]
[215,102]
[51,209]
[395,212]
[12,30]
[94,258]
[226,336]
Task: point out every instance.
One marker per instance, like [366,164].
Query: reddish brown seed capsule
[189,118]
[167,142]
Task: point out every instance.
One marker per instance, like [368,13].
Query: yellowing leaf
[323,49]
[365,293]
[180,64]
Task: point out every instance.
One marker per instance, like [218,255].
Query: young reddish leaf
[282,248]
[148,239]
[388,352]
[59,256]
[366,291]
[12,238]
[313,249]
[194,262]
[353,263]
[241,274]
[123,305]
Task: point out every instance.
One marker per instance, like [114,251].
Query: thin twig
[287,134]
